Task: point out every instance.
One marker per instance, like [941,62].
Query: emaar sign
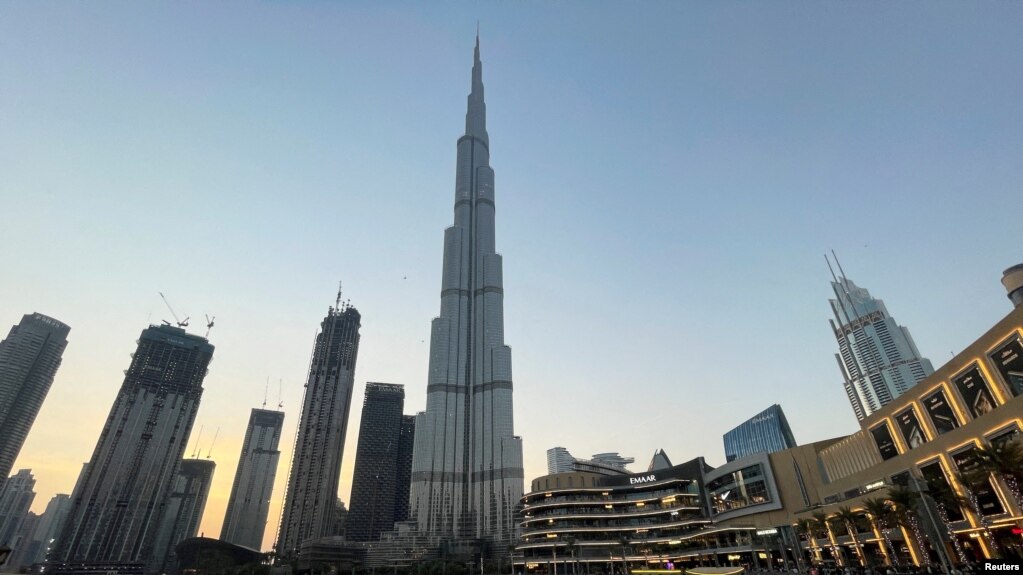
[643,479]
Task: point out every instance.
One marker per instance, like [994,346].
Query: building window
[974,390]
[941,491]
[1008,361]
[938,409]
[982,491]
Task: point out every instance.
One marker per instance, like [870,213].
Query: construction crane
[209,325]
[210,451]
[181,323]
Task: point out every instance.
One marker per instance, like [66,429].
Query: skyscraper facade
[249,504]
[121,495]
[878,358]
[15,500]
[467,465]
[22,546]
[311,500]
[29,358]
[45,531]
[376,490]
[765,432]
[403,477]
[183,511]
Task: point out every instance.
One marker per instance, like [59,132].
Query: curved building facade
[604,524]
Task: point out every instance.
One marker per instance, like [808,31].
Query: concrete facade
[310,505]
[121,495]
[249,504]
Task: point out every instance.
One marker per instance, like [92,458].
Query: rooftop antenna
[196,450]
[209,325]
[266,390]
[280,401]
[210,452]
[337,302]
[181,323]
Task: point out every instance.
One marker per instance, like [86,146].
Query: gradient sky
[669,176]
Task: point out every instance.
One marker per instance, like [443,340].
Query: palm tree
[945,499]
[880,516]
[806,527]
[1004,461]
[511,558]
[821,520]
[973,481]
[623,541]
[571,546]
[846,516]
[903,502]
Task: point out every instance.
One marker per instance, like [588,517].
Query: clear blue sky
[669,176]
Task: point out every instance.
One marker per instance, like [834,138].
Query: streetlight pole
[920,486]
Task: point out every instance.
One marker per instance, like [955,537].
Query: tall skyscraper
[878,358]
[249,504]
[42,536]
[22,545]
[765,432]
[311,500]
[29,358]
[403,478]
[467,466]
[15,499]
[121,495]
[183,511]
[380,487]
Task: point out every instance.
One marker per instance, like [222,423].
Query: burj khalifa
[467,462]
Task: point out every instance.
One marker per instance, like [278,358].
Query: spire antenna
[266,390]
[337,302]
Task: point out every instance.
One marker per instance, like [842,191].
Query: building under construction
[311,500]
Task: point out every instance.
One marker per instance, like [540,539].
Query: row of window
[975,391]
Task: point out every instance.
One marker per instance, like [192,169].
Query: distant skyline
[670,176]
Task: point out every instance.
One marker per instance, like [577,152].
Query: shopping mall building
[755,511]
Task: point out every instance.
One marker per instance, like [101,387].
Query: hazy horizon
[668,178]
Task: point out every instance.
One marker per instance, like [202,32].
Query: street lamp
[920,486]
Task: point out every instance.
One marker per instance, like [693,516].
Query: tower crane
[181,323]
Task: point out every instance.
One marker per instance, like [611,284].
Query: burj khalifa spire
[467,463]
